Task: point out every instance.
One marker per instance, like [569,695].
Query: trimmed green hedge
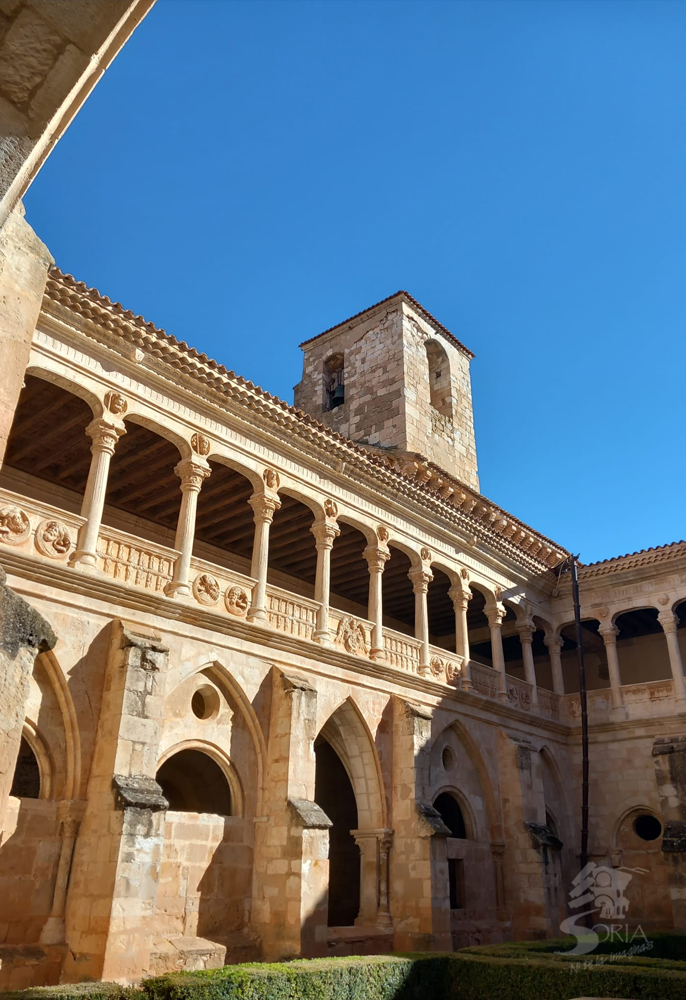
[522,971]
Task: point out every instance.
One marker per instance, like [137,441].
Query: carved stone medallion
[206,589]
[271,479]
[437,666]
[330,507]
[352,636]
[200,445]
[236,601]
[15,526]
[116,403]
[382,534]
[52,538]
[425,554]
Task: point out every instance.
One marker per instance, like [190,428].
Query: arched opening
[349,572]
[48,445]
[292,550]
[142,484]
[334,792]
[398,595]
[441,611]
[26,783]
[451,814]
[225,526]
[478,628]
[192,782]
[334,382]
[595,658]
[641,647]
[439,379]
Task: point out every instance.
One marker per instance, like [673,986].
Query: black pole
[584,714]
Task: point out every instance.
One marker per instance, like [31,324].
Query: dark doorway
[26,781]
[451,814]
[334,793]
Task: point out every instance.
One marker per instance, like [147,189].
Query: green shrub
[77,991]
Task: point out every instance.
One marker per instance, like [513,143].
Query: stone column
[669,757]
[70,813]
[291,871]
[373,877]
[377,556]
[264,507]
[325,533]
[669,622]
[460,597]
[554,644]
[526,637]
[24,263]
[192,472]
[495,614]
[105,432]
[609,633]
[110,914]
[498,848]
[419,888]
[421,578]
[23,634]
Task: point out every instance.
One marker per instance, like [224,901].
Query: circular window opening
[448,758]
[205,702]
[647,827]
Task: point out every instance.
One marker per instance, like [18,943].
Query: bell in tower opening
[334,388]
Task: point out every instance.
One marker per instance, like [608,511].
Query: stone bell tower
[393,377]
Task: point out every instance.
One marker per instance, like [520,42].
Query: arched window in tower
[439,379]
[334,382]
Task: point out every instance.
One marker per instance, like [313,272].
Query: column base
[257,615]
[503,697]
[178,590]
[424,670]
[384,920]
[378,654]
[85,562]
[323,638]
[465,684]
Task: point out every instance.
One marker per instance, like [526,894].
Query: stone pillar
[377,556]
[609,633]
[373,876]
[526,637]
[192,472]
[24,263]
[554,644]
[291,872]
[419,887]
[421,578]
[23,634]
[105,432]
[526,856]
[70,812]
[325,533]
[495,614]
[264,507]
[498,848]
[669,757]
[111,903]
[669,622]
[460,597]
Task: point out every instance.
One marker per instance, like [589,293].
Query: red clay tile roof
[415,305]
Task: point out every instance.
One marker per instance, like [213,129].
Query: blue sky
[248,174]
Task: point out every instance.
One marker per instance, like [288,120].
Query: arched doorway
[333,791]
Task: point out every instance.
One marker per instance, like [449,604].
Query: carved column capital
[325,533]
[669,621]
[525,631]
[609,633]
[264,507]
[553,641]
[460,596]
[104,434]
[495,614]
[420,579]
[376,557]
[192,472]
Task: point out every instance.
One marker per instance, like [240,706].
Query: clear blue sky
[248,174]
